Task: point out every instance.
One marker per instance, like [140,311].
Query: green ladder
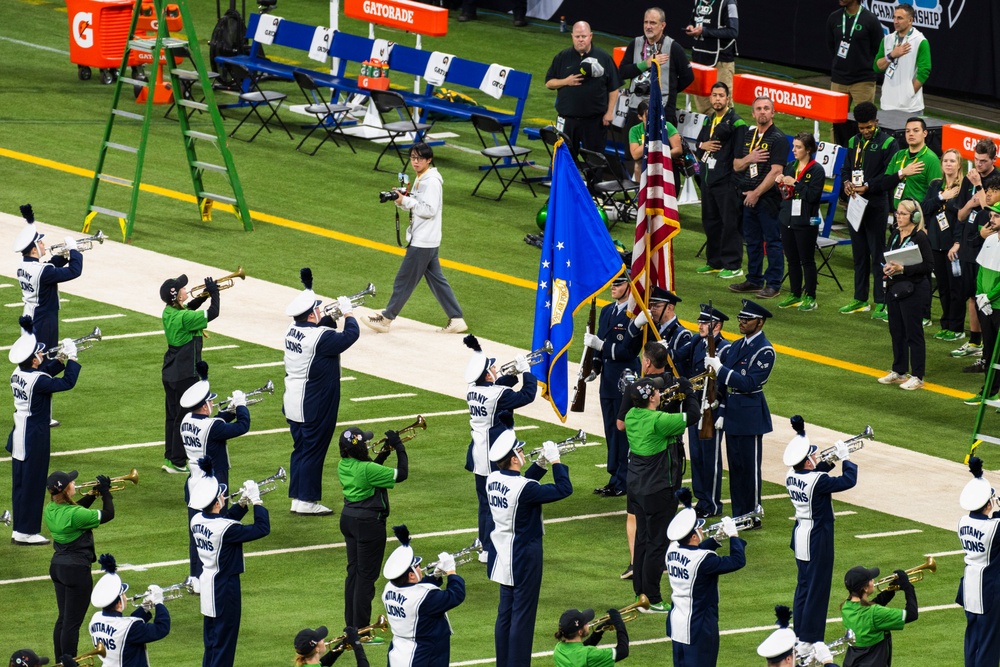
[978,436]
[172,48]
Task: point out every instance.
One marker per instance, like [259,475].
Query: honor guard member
[417,607]
[183,325]
[312,391]
[741,370]
[492,401]
[125,637]
[870,620]
[810,488]
[515,552]
[706,455]
[979,590]
[694,569]
[780,649]
[578,642]
[33,382]
[617,352]
[205,435]
[311,649]
[220,537]
[673,335]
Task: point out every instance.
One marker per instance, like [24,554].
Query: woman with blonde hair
[944,231]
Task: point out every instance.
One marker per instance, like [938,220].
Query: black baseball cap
[354,436]
[171,286]
[27,658]
[307,639]
[641,391]
[573,620]
[59,480]
[858,577]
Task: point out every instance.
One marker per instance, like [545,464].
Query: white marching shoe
[313,509]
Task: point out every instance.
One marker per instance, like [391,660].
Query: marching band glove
[729,527]
[446,562]
[345,305]
[822,654]
[393,440]
[903,579]
[155,595]
[68,661]
[843,451]
[252,492]
[713,363]
[239,399]
[983,303]
[616,619]
[351,634]
[684,386]
[550,451]
[718,423]
[69,348]
[70,243]
[103,484]
[593,342]
[640,320]
[211,286]
[521,362]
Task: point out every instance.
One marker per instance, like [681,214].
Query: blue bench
[403,59]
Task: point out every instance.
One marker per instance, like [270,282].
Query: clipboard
[905,256]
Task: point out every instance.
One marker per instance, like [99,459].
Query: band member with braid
[979,590]
[870,620]
[125,637]
[311,647]
[578,642]
[781,648]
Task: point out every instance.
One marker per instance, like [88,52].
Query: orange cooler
[98,31]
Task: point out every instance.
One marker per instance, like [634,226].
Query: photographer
[423,238]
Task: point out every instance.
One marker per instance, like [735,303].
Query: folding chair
[386,101]
[825,246]
[499,151]
[619,192]
[256,97]
[329,116]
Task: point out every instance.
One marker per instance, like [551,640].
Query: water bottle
[562,24]
[956,268]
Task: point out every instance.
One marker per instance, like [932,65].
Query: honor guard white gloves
[729,527]
[593,342]
[446,562]
[521,363]
[843,451]
[155,595]
[718,423]
[345,305]
[239,399]
[69,349]
[550,451]
[641,320]
[983,303]
[70,243]
[713,363]
[251,492]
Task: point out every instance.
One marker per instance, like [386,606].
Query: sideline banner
[792,98]
[414,17]
[964,138]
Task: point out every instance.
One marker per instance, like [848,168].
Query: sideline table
[894,122]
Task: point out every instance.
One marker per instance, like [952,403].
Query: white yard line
[217,347]
[94,317]
[382,397]
[891,533]
[269,364]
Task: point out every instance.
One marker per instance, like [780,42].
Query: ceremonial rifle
[706,426]
[586,372]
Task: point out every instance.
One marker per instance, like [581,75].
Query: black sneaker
[602,490]
[979,366]
[627,574]
[616,493]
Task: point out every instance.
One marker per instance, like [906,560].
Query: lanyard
[754,142]
[843,25]
[859,155]
[905,37]
[715,123]
[901,242]
[799,174]
[915,158]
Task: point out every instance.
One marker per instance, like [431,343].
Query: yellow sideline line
[458,266]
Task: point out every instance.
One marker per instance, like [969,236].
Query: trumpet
[57,351]
[804,656]
[265,486]
[87,659]
[565,447]
[406,434]
[673,393]
[225,282]
[463,557]
[829,455]
[510,368]
[227,405]
[169,593]
[366,634]
[743,522]
[628,613]
[915,574]
[117,483]
[84,244]
[5,518]
[333,309]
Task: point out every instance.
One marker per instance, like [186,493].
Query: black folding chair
[618,192]
[256,97]
[385,102]
[497,151]
[329,116]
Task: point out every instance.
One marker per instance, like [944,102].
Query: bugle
[628,613]
[83,245]
[565,447]
[743,522]
[366,634]
[225,282]
[463,557]
[333,309]
[829,455]
[87,659]
[673,392]
[57,351]
[227,405]
[535,357]
[914,574]
[172,592]
[406,434]
[805,656]
[117,483]
[5,518]
[265,486]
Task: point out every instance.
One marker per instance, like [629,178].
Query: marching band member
[656,462]
[661,307]
[33,382]
[71,525]
[810,489]
[220,537]
[515,551]
[492,401]
[742,370]
[311,649]
[694,569]
[204,435]
[183,325]
[979,590]
[417,607]
[781,646]
[366,507]
[25,657]
[870,620]
[578,646]
[312,392]
[125,637]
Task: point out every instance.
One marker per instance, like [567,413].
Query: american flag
[657,219]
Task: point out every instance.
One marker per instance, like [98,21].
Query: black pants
[800,250]
[909,351]
[586,133]
[990,325]
[949,289]
[653,514]
[73,585]
[867,247]
[173,447]
[365,551]
[721,215]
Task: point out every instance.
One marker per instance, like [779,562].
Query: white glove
[593,342]
[718,423]
[345,305]
[251,492]
[238,399]
[821,653]
[843,451]
[446,562]
[550,451]
[983,303]
[155,595]
[729,526]
[713,363]
[70,243]
[69,348]
[521,363]
[641,320]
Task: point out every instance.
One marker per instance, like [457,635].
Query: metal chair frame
[329,116]
[485,125]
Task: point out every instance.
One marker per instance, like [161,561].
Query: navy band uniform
[979,590]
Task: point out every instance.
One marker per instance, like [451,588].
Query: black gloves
[684,386]
[392,439]
[67,661]
[903,579]
[352,635]
[103,484]
[616,620]
[211,286]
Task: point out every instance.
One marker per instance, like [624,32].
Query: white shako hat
[109,587]
[306,300]
[200,391]
[686,521]
[798,447]
[402,557]
[27,345]
[978,490]
[479,363]
[504,445]
[781,641]
[206,490]
[29,234]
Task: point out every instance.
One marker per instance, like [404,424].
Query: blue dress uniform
[125,637]
[312,399]
[29,440]
[620,352]
[417,613]
[40,291]
[979,590]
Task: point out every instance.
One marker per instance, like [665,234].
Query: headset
[917,214]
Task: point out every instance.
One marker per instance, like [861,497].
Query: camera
[393,195]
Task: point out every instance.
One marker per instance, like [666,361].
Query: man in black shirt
[759,159]
[853,35]
[587,83]
[715,25]
[652,45]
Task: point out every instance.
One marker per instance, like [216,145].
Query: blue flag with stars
[579,261]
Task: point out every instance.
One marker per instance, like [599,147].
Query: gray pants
[421,263]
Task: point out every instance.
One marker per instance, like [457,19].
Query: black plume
[206,465]
[784,615]
[202,369]
[26,323]
[684,495]
[402,534]
[976,467]
[108,563]
[306,275]
[799,424]
[472,343]
[28,213]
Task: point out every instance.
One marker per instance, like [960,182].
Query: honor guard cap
[660,295]
[573,620]
[753,310]
[683,524]
[24,348]
[307,639]
[59,480]
[172,287]
[26,238]
[858,577]
[27,658]
[302,304]
[197,394]
[797,451]
[778,643]
[711,314]
[504,445]
[623,277]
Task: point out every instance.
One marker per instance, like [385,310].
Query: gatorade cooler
[98,32]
